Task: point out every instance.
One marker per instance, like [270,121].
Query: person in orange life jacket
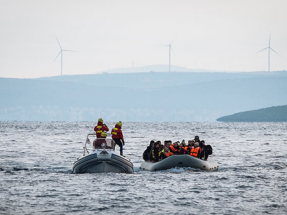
[117,136]
[195,152]
[190,146]
[166,144]
[168,153]
[100,127]
[146,153]
[155,152]
[174,147]
[184,146]
[98,142]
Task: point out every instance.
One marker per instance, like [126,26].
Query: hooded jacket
[117,133]
[100,128]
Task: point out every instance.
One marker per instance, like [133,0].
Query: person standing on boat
[117,136]
[101,127]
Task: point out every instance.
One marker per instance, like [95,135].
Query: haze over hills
[145,96]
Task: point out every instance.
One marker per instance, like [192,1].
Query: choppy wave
[36,160]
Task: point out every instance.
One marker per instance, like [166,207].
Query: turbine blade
[275,51]
[65,50]
[59,43]
[172,41]
[262,50]
[58,55]
[172,50]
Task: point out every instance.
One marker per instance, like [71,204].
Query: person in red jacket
[117,136]
[101,127]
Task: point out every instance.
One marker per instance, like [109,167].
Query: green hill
[271,114]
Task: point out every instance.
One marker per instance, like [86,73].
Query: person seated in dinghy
[99,141]
[168,153]
[146,153]
[195,152]
[196,139]
[182,148]
[161,152]
[174,148]
[155,153]
[190,146]
[165,153]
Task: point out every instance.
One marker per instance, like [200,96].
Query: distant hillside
[150,96]
[149,68]
[159,79]
[271,114]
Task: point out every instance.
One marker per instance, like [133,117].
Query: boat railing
[98,143]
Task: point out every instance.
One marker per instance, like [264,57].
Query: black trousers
[119,143]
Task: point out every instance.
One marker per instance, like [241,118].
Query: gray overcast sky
[206,34]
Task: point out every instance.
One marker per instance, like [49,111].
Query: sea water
[36,160]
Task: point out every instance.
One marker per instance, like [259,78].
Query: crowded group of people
[101,130]
[156,151]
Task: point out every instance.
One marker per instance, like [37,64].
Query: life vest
[195,151]
[154,156]
[115,131]
[99,129]
[168,154]
[172,149]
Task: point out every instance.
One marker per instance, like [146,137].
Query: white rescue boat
[102,158]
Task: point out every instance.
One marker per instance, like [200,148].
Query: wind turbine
[61,52]
[169,50]
[269,48]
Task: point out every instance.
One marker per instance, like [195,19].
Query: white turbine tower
[169,50]
[61,52]
[269,48]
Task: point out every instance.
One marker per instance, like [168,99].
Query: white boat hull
[180,161]
[102,161]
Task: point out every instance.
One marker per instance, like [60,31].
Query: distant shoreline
[271,114]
